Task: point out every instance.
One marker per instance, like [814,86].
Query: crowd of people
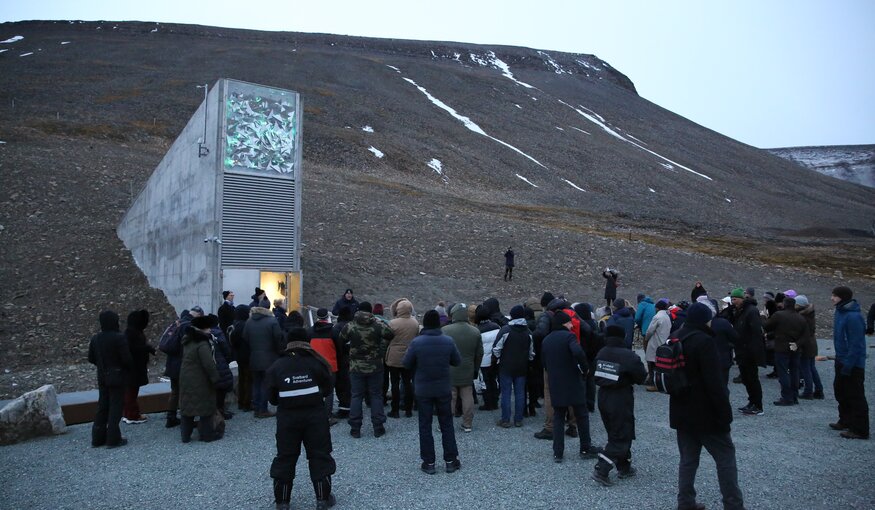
[567,358]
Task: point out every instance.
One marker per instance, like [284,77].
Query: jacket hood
[491,305]
[138,319]
[259,313]
[557,304]
[192,334]
[647,299]
[185,316]
[534,304]
[615,341]
[748,301]
[322,329]
[808,310]
[459,312]
[848,306]
[108,321]
[487,325]
[298,348]
[241,312]
[519,322]
[364,318]
[402,308]
[624,312]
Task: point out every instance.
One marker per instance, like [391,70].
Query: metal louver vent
[258,222]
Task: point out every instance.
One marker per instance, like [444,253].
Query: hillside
[853,163]
[552,153]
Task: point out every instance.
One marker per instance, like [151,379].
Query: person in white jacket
[656,335]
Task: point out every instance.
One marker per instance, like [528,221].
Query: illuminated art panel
[260,129]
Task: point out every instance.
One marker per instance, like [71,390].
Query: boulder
[36,413]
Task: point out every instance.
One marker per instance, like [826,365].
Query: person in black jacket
[508,264]
[240,352]
[223,356]
[297,383]
[109,351]
[566,367]
[870,320]
[701,415]
[139,374]
[750,351]
[173,350]
[617,368]
[612,278]
[226,311]
[342,386]
[514,350]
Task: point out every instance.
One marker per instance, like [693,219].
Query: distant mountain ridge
[852,163]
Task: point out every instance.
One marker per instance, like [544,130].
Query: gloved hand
[793,346]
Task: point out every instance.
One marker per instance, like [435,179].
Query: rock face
[33,414]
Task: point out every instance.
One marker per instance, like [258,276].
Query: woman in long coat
[139,375]
[197,380]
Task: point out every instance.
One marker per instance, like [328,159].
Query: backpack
[669,374]
[171,339]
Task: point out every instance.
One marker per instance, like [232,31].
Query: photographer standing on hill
[612,278]
[508,264]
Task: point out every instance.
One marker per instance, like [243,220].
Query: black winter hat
[205,322]
[698,313]
[225,294]
[431,320]
[615,331]
[322,314]
[546,298]
[365,306]
[258,292]
[297,334]
[843,293]
[481,313]
[619,303]
[518,312]
[560,318]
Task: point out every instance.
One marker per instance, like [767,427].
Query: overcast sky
[770,73]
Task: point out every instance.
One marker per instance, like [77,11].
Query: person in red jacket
[321,341]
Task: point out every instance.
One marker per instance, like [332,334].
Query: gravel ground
[788,458]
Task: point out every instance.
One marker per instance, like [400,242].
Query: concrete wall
[166,226]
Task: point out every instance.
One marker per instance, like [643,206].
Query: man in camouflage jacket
[367,339]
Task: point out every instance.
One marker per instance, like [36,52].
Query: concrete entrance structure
[222,211]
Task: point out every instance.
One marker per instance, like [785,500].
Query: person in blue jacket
[644,313]
[850,365]
[624,318]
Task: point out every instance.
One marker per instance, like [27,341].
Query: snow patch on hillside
[467,122]
[553,64]
[394,68]
[575,186]
[490,60]
[436,165]
[527,181]
[582,131]
[12,39]
[368,129]
[377,152]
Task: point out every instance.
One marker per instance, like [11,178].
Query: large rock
[36,413]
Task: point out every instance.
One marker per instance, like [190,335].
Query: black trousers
[749,372]
[490,377]
[306,426]
[508,272]
[397,375]
[105,430]
[342,387]
[721,448]
[850,394]
[559,414]
[205,430]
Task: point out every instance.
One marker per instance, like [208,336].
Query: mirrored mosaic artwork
[260,133]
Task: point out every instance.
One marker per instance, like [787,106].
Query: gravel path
[788,458]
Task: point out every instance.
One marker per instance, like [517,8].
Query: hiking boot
[544,434]
[172,422]
[848,434]
[393,414]
[626,473]
[753,411]
[466,429]
[379,431]
[651,388]
[694,506]
[782,402]
[517,424]
[408,414]
[485,407]
[325,504]
[817,395]
[571,432]
[745,408]
[504,424]
[356,433]
[806,397]
[453,465]
[332,421]
[264,414]
[602,478]
[557,459]
[283,506]
[590,452]
[227,415]
[838,426]
[428,468]
[141,419]
[342,415]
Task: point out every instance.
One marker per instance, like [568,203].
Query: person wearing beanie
[617,369]
[368,339]
[750,351]
[546,298]
[223,355]
[850,365]
[789,330]
[260,299]
[241,354]
[108,352]
[198,376]
[138,375]
[322,342]
[612,281]
[702,415]
[429,358]
[655,335]
[470,346]
[624,318]
[226,311]
[342,383]
[346,300]
[813,387]
[513,349]
[441,309]
[297,384]
[750,292]
[266,342]
[564,363]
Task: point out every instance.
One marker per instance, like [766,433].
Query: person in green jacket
[197,380]
[470,346]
